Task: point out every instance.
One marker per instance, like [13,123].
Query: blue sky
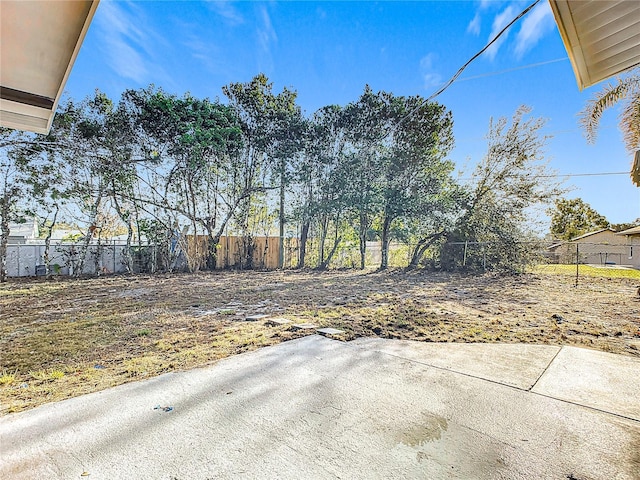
[328,51]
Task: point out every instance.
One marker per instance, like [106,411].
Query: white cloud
[266,33]
[429,76]
[128,42]
[266,37]
[204,52]
[226,10]
[474,25]
[499,22]
[535,25]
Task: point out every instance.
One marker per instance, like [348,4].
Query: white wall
[22,259]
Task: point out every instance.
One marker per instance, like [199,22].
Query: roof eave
[28,110]
[569,36]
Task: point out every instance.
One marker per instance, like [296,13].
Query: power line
[484,49]
[562,175]
[522,67]
[583,174]
[463,67]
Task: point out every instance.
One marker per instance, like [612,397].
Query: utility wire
[562,175]
[463,67]
[484,49]
[521,67]
[583,174]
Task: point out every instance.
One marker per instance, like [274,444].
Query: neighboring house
[602,247]
[70,235]
[23,232]
[632,236]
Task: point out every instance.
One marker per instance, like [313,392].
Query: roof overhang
[630,231]
[39,43]
[602,38]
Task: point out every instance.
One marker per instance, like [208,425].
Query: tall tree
[575,217]
[512,179]
[366,128]
[415,172]
[11,188]
[271,127]
[94,153]
[192,145]
[320,180]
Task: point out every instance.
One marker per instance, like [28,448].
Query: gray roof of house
[630,231]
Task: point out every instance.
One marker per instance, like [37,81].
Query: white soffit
[602,37]
[39,41]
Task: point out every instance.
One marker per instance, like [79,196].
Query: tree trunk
[214,238]
[4,238]
[212,250]
[126,218]
[97,257]
[128,258]
[281,215]
[323,238]
[47,245]
[364,227]
[325,264]
[386,225]
[422,247]
[304,234]
[89,236]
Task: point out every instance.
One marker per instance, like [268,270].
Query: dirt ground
[68,337]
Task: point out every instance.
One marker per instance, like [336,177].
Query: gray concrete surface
[518,365]
[319,408]
[596,379]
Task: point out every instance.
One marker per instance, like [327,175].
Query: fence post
[464,255]
[577,262]
[484,258]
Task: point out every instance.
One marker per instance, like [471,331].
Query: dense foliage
[575,217]
[163,169]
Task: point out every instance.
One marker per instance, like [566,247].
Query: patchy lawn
[64,338]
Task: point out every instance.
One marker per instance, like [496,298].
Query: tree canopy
[169,170]
[575,217]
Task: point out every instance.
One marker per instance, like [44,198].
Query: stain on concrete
[430,431]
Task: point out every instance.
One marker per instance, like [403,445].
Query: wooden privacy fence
[240,252]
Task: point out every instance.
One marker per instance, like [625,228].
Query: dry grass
[65,338]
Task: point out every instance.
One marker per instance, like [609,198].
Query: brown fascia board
[33,112]
[26,98]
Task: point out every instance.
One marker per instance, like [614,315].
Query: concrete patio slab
[318,408]
[596,379]
[278,321]
[304,326]
[330,331]
[256,317]
[518,365]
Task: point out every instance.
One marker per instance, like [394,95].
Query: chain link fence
[25,260]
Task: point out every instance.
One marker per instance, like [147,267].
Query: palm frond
[630,122]
[589,118]
[635,169]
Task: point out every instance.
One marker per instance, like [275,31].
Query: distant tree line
[571,218]
[375,169]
